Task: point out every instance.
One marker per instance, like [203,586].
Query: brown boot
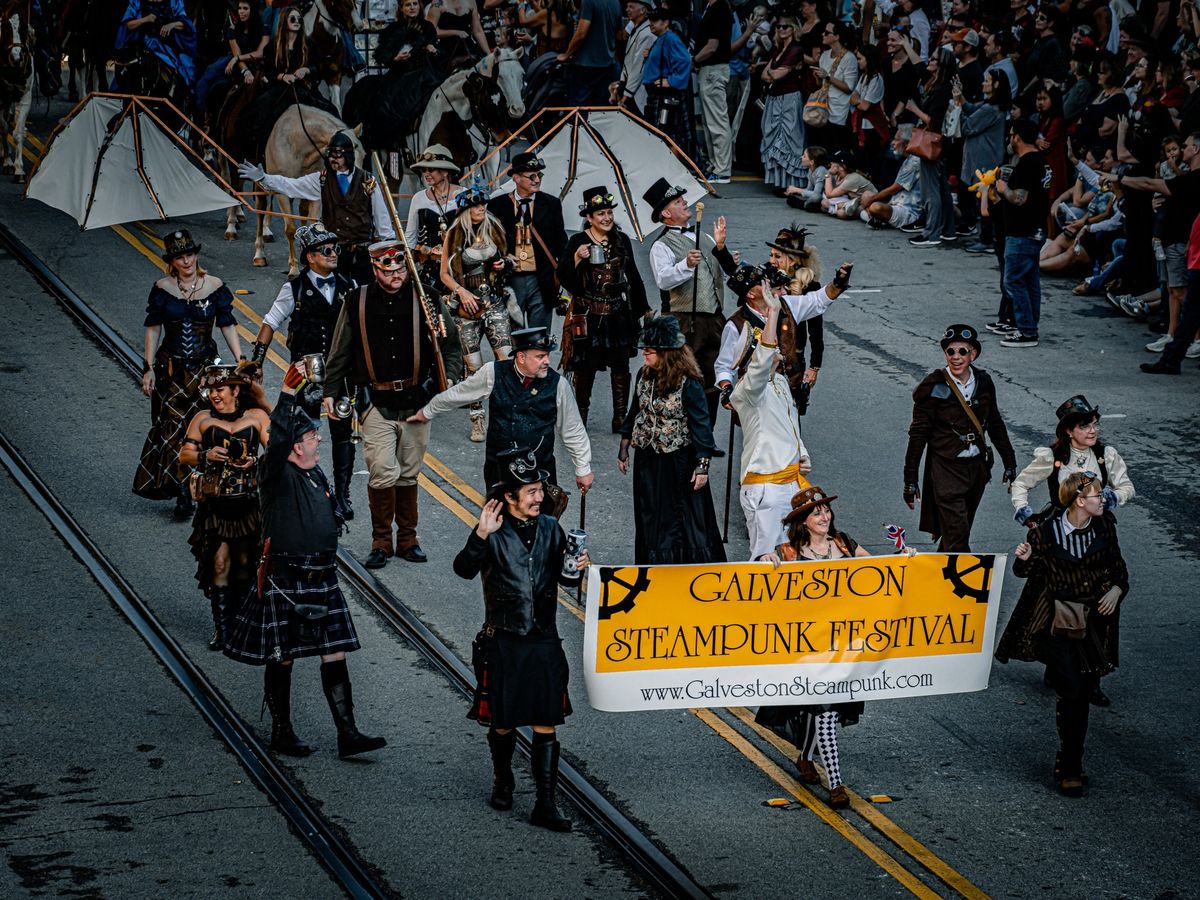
[584,380]
[620,392]
[382,502]
[406,524]
[808,771]
[838,798]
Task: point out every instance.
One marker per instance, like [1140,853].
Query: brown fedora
[805,501]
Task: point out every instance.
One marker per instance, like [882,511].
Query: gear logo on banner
[978,587]
[608,577]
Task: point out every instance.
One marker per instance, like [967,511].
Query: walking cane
[583,528]
[696,272]
[728,476]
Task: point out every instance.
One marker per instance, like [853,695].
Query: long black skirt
[234,521]
[176,396]
[268,629]
[610,344]
[520,680]
[673,523]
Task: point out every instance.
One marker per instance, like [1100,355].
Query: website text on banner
[746,634]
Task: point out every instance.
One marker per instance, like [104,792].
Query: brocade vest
[349,215]
[311,327]
[710,286]
[523,417]
[520,586]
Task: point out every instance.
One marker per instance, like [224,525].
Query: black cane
[583,528]
[728,476]
[696,272]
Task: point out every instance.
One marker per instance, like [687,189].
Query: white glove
[251,171]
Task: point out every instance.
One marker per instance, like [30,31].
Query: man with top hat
[296,608]
[534,232]
[431,211]
[608,300]
[688,271]
[954,415]
[382,344]
[522,555]
[529,405]
[310,303]
[352,203]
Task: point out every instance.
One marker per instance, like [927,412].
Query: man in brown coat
[954,441]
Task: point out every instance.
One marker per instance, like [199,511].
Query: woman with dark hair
[183,308]
[901,74]
[837,72]
[410,43]
[869,125]
[290,75]
[1052,136]
[983,135]
[223,443]
[1072,620]
[247,37]
[930,109]
[669,426]
[1097,125]
[552,19]
[812,535]
[457,25]
[782,126]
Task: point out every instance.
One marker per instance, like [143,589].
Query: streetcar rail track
[644,856]
[334,852]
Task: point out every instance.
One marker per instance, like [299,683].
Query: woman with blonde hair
[474,267]
[669,426]
[183,309]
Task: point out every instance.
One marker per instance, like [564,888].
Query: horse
[296,148]
[327,22]
[16,85]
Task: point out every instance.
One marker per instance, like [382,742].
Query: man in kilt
[296,609]
[519,662]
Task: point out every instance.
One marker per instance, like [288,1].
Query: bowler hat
[964,334]
[662,333]
[661,193]
[526,162]
[805,501]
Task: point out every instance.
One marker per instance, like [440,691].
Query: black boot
[185,506]
[343,471]
[545,774]
[503,782]
[620,392]
[218,596]
[277,686]
[335,678]
[585,380]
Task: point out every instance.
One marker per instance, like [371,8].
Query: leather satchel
[925,143]
[1070,619]
[989,458]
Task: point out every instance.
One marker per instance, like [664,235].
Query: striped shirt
[1074,540]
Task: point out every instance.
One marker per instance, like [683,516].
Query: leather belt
[600,307]
[402,385]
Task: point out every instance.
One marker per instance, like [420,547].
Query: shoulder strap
[965,405]
[362,332]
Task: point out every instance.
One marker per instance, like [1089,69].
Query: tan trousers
[394,450]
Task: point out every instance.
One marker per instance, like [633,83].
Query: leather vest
[793,365]
[311,327]
[606,283]
[520,417]
[189,339]
[710,288]
[520,587]
[348,216]
[431,227]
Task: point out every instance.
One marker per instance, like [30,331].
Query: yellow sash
[784,476]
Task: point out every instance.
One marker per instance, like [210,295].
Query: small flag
[896,535]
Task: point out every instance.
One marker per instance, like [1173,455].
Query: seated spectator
[844,187]
[1085,239]
[899,203]
[809,196]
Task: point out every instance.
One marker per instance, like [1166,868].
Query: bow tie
[682,229]
[322,283]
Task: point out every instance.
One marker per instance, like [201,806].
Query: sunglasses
[329,250]
[532,176]
[958,351]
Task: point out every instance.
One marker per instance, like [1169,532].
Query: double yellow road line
[732,724]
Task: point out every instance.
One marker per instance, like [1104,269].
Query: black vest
[520,587]
[431,227]
[311,327]
[349,215]
[1052,481]
[521,417]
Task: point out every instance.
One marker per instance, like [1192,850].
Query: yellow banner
[846,618]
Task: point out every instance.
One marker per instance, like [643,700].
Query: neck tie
[523,213]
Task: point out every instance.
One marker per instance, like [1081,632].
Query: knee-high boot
[1071,716]
[545,775]
[503,782]
[219,598]
[620,393]
[335,679]
[407,545]
[277,688]
[343,471]
[585,381]
[383,511]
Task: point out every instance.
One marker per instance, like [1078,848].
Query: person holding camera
[608,299]
[296,609]
[954,414]
[222,443]
[522,556]
[382,344]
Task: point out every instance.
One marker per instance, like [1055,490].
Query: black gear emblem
[609,577]
[979,586]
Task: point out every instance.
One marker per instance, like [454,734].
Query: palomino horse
[294,149]
[474,109]
[326,22]
[16,85]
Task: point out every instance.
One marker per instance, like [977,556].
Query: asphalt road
[968,774]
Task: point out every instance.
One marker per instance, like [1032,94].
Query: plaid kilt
[269,630]
[173,402]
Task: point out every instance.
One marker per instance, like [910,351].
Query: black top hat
[526,162]
[791,241]
[472,196]
[662,333]
[532,339]
[963,333]
[177,243]
[660,194]
[518,466]
[596,199]
[744,279]
[312,235]
[1077,408]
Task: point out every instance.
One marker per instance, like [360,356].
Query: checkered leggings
[821,731]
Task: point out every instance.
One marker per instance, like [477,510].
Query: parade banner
[748,634]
